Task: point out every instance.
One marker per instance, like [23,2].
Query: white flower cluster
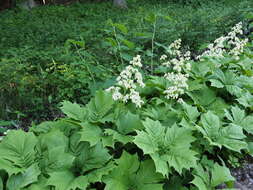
[179,65]
[128,81]
[180,59]
[235,44]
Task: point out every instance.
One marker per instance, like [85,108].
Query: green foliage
[108,144]
[168,148]
[133,174]
[218,174]
[162,145]
[65,53]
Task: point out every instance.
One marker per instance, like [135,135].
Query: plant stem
[152,47]
[119,47]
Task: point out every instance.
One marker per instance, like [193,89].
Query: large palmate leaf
[97,174]
[168,147]
[99,107]
[17,151]
[40,185]
[203,96]
[117,137]
[57,159]
[29,176]
[191,112]
[92,157]
[128,123]
[238,117]
[49,140]
[132,174]
[206,180]
[246,100]
[52,147]
[230,136]
[200,69]
[74,111]
[233,83]
[91,161]
[218,107]
[65,180]
[90,133]
[162,113]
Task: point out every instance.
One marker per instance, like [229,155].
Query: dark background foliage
[54,53]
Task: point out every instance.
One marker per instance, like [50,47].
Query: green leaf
[209,179]
[117,137]
[230,136]
[121,27]
[246,100]
[250,147]
[99,106]
[175,182]
[90,133]
[220,174]
[148,141]
[132,174]
[161,164]
[65,180]
[112,42]
[234,90]
[168,148]
[218,107]
[29,176]
[216,83]
[179,156]
[247,124]
[238,117]
[200,69]
[151,17]
[48,140]
[129,44]
[128,123]
[5,123]
[53,149]
[191,112]
[92,157]
[201,178]
[98,174]
[57,159]
[145,174]
[17,151]
[198,182]
[74,111]
[40,185]
[203,96]
[1,184]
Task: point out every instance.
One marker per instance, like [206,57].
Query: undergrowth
[181,126]
[56,53]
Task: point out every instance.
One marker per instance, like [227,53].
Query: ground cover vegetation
[179,127]
[56,53]
[167,115]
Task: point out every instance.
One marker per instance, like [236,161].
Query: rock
[120,4]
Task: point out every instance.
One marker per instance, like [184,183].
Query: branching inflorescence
[127,83]
[179,65]
[178,77]
[230,44]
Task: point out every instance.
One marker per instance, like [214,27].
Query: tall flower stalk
[127,83]
[230,44]
[177,77]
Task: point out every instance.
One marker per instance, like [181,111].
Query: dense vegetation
[152,100]
[56,53]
